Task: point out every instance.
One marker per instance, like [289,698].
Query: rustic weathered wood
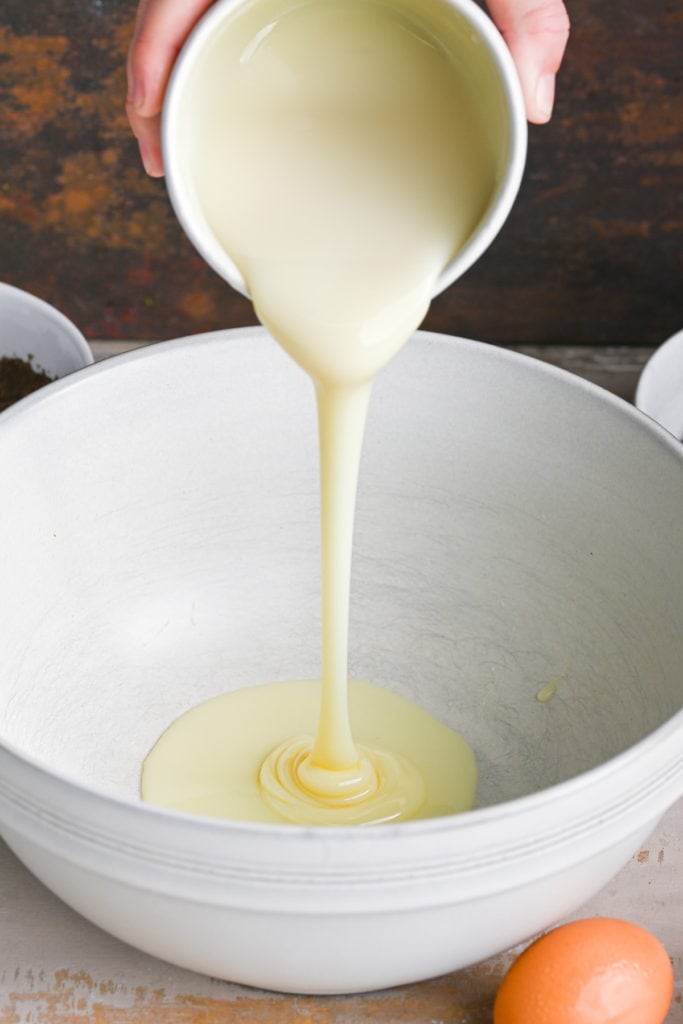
[590,255]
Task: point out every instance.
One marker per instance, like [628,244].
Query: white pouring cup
[474,42]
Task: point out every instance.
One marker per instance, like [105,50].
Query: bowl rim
[669,733]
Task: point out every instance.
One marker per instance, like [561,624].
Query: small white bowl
[36,332]
[660,389]
[474,42]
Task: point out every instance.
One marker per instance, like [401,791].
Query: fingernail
[145,155]
[545,96]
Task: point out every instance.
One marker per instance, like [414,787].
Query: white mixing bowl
[516,527]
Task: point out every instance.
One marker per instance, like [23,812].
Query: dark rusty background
[590,254]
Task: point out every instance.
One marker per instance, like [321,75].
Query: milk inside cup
[460,29]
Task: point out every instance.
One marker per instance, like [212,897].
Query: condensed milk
[341,157]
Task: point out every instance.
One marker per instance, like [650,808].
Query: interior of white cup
[516,528]
[460,27]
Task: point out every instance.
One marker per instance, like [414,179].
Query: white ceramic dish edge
[659,393]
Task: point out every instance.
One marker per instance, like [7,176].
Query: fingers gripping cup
[386,139]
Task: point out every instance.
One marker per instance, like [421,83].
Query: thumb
[536,32]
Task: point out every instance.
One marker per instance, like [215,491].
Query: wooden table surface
[56,968]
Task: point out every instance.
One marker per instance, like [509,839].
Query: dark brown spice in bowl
[18,378]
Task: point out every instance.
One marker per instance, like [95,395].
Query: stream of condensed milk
[338,157]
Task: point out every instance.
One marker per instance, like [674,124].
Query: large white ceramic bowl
[33,330]
[516,527]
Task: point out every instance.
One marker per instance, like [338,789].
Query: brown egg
[595,971]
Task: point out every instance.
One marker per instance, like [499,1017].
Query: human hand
[536,32]
[161,28]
